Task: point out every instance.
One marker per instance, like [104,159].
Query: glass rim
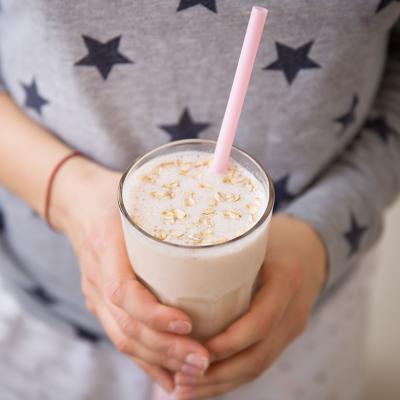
[264,216]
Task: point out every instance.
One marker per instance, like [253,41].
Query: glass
[212,283]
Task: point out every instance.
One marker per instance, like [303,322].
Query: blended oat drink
[177,199]
[197,239]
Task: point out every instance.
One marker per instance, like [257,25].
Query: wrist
[300,240]
[71,191]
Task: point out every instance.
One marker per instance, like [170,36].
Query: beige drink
[196,239]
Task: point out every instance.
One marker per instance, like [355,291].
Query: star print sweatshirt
[116,79]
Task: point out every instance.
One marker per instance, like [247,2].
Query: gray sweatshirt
[115,79]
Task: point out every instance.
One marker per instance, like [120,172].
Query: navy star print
[86,335]
[290,61]
[384,3]
[354,235]
[41,295]
[103,56]
[186,128]
[282,195]
[33,99]
[351,146]
[349,117]
[379,127]
[210,4]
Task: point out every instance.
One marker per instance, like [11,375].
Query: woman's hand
[292,277]
[84,207]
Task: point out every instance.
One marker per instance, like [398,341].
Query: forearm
[28,154]
[291,235]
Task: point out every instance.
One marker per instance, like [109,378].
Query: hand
[292,277]
[135,321]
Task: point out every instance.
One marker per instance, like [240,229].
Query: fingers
[267,309]
[252,362]
[247,364]
[132,347]
[160,375]
[122,288]
[168,344]
[142,305]
[170,351]
[126,344]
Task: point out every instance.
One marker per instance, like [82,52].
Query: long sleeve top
[116,79]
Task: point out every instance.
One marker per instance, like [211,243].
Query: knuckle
[257,367]
[163,360]
[171,349]
[114,291]
[129,326]
[122,344]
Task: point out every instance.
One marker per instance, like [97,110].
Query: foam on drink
[177,199]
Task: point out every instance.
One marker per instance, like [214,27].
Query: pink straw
[239,88]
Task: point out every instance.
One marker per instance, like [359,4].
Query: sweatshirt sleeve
[346,203]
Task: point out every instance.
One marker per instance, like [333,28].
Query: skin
[138,325]
[293,274]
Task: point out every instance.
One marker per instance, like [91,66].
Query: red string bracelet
[51,181]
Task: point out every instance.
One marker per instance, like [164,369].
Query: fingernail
[185,380]
[192,370]
[197,360]
[178,326]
